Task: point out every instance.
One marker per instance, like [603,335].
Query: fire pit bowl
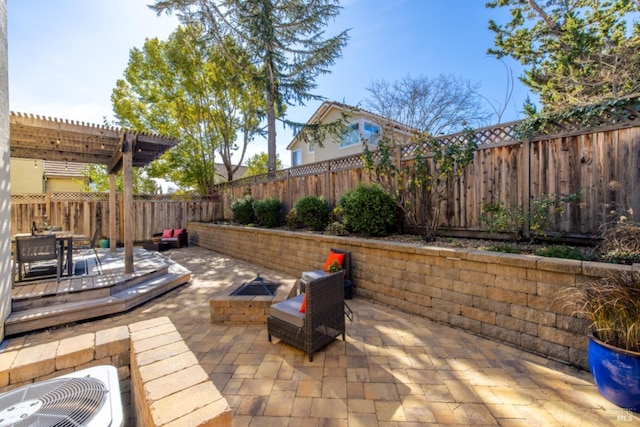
[257,286]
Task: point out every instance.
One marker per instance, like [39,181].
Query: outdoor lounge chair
[322,321]
[176,238]
[37,248]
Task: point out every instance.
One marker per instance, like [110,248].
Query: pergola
[35,137]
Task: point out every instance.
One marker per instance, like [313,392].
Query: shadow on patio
[394,369]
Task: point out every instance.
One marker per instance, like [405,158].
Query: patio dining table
[65,239]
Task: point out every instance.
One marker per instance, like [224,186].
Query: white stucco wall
[5,176]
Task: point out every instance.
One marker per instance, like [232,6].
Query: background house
[44,176]
[363,127]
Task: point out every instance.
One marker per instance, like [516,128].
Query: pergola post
[113,235]
[127,215]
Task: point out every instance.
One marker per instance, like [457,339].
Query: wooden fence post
[525,186]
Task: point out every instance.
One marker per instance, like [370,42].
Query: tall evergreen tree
[577,52]
[285,40]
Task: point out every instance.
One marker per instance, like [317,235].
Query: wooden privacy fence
[82,213]
[602,162]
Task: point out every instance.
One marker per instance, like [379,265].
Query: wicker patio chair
[37,248]
[322,322]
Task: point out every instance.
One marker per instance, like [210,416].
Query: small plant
[334,267]
[337,229]
[542,208]
[368,210]
[612,305]
[314,212]
[560,251]
[291,220]
[500,218]
[267,212]
[243,210]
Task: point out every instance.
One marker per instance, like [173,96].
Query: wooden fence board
[83,216]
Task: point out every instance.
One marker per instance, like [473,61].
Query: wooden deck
[103,290]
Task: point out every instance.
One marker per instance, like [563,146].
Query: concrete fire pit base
[248,309]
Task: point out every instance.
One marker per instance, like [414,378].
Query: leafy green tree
[576,52]
[285,40]
[189,89]
[257,164]
[99,180]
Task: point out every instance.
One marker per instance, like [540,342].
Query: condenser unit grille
[68,401]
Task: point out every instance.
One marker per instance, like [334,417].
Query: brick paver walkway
[395,369]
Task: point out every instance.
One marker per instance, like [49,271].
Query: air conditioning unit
[90,397]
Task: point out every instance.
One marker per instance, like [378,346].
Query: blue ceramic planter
[616,373]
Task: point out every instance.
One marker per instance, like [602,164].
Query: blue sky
[66,55]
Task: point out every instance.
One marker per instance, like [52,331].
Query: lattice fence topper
[623,112]
[346,163]
[78,197]
[483,137]
[310,169]
[29,198]
[100,197]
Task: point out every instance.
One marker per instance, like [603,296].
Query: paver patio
[395,369]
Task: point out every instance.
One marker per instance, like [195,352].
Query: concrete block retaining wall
[507,297]
[161,381]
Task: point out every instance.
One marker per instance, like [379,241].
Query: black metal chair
[87,243]
[37,248]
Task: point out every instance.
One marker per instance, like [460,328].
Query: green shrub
[267,212]
[243,211]
[336,228]
[369,210]
[561,251]
[314,212]
[291,220]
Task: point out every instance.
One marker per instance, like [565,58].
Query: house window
[361,131]
[371,133]
[296,157]
[352,137]
[312,147]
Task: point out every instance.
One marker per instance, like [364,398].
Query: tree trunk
[271,135]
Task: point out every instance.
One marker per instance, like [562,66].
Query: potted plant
[612,305]
[103,242]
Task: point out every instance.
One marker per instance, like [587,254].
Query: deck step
[79,289]
[121,301]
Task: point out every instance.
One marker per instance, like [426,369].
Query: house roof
[327,106]
[69,141]
[221,171]
[53,168]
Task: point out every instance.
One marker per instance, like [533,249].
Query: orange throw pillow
[303,307]
[339,258]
